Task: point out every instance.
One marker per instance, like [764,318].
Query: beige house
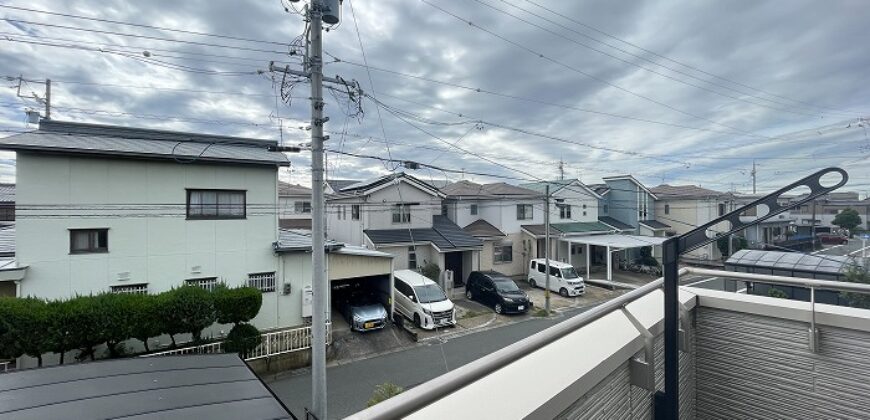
[684,207]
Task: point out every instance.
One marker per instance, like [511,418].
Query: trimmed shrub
[24,324]
[60,327]
[431,271]
[236,305]
[189,309]
[242,339]
[147,318]
[384,392]
[117,314]
[87,325]
[776,293]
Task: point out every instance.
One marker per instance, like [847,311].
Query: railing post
[814,332]
[666,404]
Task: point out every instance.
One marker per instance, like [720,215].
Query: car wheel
[498,308]
[469,295]
[532,283]
[417,321]
[564,292]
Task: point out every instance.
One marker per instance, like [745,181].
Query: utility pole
[547,248]
[48,99]
[561,169]
[753,175]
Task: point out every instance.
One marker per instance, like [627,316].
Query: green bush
[88,325]
[237,305]
[431,271]
[384,392]
[147,318]
[60,327]
[189,309]
[646,257]
[116,310]
[24,324]
[242,339]
[776,293]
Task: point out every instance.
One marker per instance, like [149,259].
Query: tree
[858,273]
[384,392]
[242,339]
[87,325]
[236,305]
[737,243]
[189,309]
[147,316]
[24,324]
[776,293]
[431,271]
[646,257]
[60,327]
[848,219]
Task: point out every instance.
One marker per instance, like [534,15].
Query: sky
[488,90]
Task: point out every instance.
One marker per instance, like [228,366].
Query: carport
[353,268]
[612,243]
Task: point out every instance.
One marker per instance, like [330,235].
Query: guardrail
[273,343]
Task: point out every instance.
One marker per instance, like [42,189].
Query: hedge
[33,327]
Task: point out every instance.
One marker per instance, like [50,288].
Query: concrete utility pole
[561,169]
[48,99]
[318,259]
[547,248]
[753,176]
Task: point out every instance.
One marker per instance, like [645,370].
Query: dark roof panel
[615,223]
[654,224]
[444,234]
[482,228]
[147,388]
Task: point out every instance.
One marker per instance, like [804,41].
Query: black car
[497,290]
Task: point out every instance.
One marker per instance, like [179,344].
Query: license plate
[521,307]
[368,325]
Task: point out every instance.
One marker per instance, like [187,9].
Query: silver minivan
[420,299]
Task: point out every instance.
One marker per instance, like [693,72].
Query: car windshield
[430,293]
[569,273]
[505,285]
[362,300]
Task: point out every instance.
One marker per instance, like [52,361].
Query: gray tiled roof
[500,189]
[444,234]
[7,193]
[539,230]
[299,240]
[338,184]
[285,189]
[666,191]
[214,386]
[91,139]
[374,182]
[481,228]
[615,223]
[654,224]
[599,189]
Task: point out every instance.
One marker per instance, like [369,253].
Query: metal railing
[273,343]
[429,392]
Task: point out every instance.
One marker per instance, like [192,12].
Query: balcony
[741,356]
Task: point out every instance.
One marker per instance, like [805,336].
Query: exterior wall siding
[752,366]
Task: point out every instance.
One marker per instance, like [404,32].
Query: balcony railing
[732,330]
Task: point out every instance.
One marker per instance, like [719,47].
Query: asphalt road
[350,385]
[853,248]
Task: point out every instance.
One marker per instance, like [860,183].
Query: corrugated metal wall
[751,366]
[615,397]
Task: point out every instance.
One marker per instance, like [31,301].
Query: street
[351,385]
[852,249]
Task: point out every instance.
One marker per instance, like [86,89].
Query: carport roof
[654,224]
[617,241]
[830,264]
[296,240]
[216,386]
[582,227]
[610,221]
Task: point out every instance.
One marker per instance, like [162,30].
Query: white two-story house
[402,215]
[129,210]
[294,201]
[495,214]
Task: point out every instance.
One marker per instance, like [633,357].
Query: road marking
[859,250]
[826,249]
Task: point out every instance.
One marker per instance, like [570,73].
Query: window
[207,283]
[302,207]
[88,241]
[402,213]
[265,282]
[412,258]
[216,204]
[524,212]
[721,209]
[403,288]
[667,209]
[534,265]
[474,209]
[584,212]
[605,208]
[503,252]
[131,289]
[444,209]
[354,211]
[564,211]
[542,268]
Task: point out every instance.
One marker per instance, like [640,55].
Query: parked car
[363,311]
[833,238]
[563,277]
[497,290]
[420,299]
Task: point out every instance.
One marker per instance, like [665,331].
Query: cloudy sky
[674,92]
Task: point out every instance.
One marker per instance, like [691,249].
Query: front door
[453,262]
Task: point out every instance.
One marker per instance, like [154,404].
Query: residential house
[403,216]
[495,213]
[333,186]
[129,210]
[685,207]
[778,232]
[829,206]
[294,202]
[7,204]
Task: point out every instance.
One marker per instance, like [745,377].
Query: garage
[359,278]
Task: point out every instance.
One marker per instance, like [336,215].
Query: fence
[273,343]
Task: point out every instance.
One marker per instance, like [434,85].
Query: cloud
[768,78]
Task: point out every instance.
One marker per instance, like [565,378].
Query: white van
[563,277]
[420,299]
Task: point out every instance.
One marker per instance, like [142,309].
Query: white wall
[575,196]
[287,207]
[142,203]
